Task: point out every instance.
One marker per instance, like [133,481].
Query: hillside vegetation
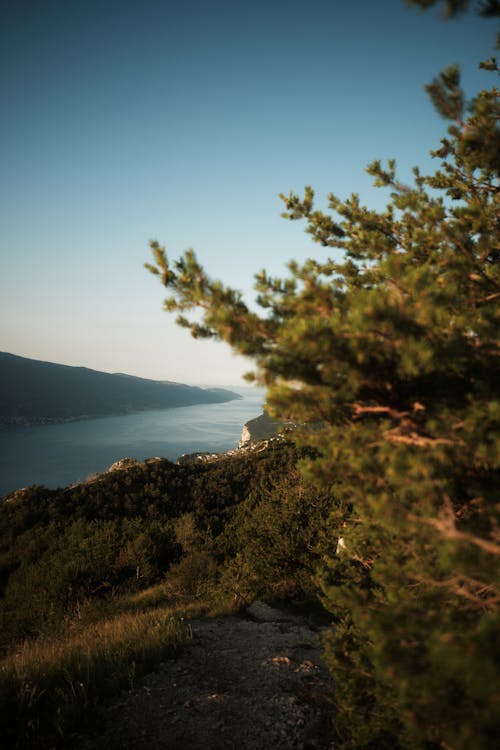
[33,392]
[95,578]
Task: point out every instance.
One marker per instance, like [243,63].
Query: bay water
[60,454]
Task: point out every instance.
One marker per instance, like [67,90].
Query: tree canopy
[387,352]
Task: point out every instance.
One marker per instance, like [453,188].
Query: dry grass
[48,687]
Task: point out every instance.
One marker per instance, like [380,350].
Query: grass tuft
[48,688]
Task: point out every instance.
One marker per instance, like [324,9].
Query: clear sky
[182,120]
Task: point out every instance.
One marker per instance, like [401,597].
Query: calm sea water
[57,455]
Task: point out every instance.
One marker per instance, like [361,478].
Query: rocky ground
[250,682]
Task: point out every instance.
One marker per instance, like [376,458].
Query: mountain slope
[262,427]
[34,392]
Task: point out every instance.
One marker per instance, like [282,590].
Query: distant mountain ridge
[37,392]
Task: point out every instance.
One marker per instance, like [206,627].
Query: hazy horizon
[182,122]
[240,386]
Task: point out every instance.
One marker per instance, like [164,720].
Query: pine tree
[390,359]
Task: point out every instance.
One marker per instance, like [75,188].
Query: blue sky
[182,121]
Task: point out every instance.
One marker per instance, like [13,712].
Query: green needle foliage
[387,352]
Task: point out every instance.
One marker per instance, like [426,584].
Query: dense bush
[272,545]
[61,550]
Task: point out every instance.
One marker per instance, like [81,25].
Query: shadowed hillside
[34,392]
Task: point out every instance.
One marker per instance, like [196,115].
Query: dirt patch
[242,683]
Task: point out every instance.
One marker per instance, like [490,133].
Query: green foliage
[193,576]
[77,565]
[82,562]
[387,352]
[63,550]
[273,542]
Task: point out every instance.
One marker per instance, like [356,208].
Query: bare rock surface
[242,683]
